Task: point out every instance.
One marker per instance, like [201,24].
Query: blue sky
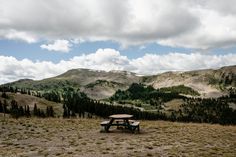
[21,50]
[40,39]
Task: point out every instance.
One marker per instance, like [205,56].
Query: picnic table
[121,121]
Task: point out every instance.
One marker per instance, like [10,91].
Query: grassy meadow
[36,137]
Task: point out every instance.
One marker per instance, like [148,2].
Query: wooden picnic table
[121,120]
[121,116]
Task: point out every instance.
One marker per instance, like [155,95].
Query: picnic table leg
[133,128]
[127,126]
[118,127]
[107,127]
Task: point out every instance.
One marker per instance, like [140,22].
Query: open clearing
[82,137]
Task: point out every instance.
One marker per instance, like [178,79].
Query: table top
[121,116]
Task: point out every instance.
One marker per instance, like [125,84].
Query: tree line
[76,103]
[138,91]
[192,110]
[51,95]
[17,111]
[205,110]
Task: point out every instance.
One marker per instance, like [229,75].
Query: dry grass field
[82,137]
[24,99]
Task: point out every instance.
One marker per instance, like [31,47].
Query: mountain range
[101,84]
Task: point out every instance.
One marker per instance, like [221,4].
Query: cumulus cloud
[196,24]
[18,35]
[217,27]
[12,69]
[152,63]
[58,45]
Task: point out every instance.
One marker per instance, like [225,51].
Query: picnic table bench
[121,120]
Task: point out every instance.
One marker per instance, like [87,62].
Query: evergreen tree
[49,111]
[65,111]
[21,111]
[4,95]
[28,92]
[41,113]
[27,112]
[35,111]
[1,107]
[14,111]
[5,104]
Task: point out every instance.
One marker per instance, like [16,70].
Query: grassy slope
[24,99]
[101,89]
[82,137]
[173,104]
[128,97]
[209,83]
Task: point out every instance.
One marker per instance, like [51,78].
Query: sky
[41,39]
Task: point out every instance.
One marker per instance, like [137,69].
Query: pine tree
[1,107]
[41,113]
[14,111]
[21,111]
[65,112]
[35,112]
[27,112]
[47,112]
[51,111]
[4,95]
[5,110]
[28,92]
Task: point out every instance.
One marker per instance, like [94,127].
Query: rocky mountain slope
[102,84]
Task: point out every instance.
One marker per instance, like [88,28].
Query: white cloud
[152,63]
[18,35]
[187,23]
[58,45]
[216,30]
[102,59]
[12,69]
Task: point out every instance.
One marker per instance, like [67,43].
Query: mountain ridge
[99,84]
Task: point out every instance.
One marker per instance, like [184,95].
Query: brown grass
[82,137]
[24,99]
